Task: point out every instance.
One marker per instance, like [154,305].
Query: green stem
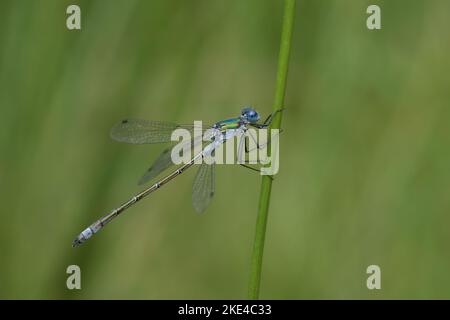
[266,183]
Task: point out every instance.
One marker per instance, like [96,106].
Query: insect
[137,131]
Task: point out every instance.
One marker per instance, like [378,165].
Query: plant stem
[266,182]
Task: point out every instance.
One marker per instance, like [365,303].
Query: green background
[363,178]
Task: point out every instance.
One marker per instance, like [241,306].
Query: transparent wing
[203,188]
[164,161]
[140,131]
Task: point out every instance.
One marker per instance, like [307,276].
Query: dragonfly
[138,131]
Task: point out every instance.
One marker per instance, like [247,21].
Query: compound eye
[253,115]
[246,111]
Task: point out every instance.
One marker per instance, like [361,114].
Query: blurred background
[363,178]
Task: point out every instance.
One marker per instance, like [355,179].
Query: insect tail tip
[76,242]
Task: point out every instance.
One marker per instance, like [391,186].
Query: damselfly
[138,131]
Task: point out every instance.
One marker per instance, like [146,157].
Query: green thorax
[228,124]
